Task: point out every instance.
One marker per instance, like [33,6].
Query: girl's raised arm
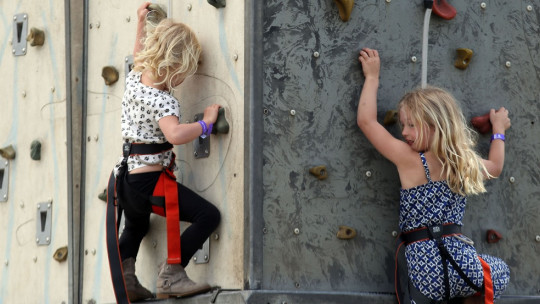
[366,118]
[500,122]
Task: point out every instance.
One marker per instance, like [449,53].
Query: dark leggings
[203,216]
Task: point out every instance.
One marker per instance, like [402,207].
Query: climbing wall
[33,187]
[217,177]
[312,82]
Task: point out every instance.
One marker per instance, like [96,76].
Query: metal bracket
[43,223]
[20,31]
[128,65]
[4,180]
[202,256]
[201,146]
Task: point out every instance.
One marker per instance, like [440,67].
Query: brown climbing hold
[345,8]
[217,3]
[61,254]
[346,233]
[36,37]
[493,236]
[481,123]
[8,152]
[390,118]
[319,171]
[110,74]
[463,58]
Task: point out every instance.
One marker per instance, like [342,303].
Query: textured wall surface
[302,213]
[33,107]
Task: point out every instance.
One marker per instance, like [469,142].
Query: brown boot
[173,281]
[136,292]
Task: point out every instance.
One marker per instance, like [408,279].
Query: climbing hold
[481,123]
[36,37]
[103,195]
[345,8]
[155,14]
[493,236]
[221,126]
[8,152]
[346,233]
[463,58]
[110,74]
[35,150]
[61,254]
[444,10]
[217,3]
[390,118]
[319,171]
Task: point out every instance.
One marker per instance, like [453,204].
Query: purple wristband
[204,128]
[497,136]
[210,129]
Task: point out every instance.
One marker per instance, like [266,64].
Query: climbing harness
[406,292]
[123,198]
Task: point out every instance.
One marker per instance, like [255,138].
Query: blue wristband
[497,136]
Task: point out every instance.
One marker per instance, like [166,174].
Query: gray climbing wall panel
[312,81]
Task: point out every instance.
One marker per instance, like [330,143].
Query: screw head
[483,5]
[368,173]
[316,54]
[414,59]
[508,64]
[296,231]
[293,112]
[529,8]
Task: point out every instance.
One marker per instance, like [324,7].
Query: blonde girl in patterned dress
[438,168]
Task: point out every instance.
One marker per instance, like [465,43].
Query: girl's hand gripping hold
[371,63]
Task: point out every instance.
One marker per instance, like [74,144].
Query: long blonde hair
[170,50]
[453,140]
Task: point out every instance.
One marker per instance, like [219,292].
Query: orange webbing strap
[166,186]
[488,283]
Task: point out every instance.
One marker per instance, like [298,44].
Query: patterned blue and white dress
[435,204]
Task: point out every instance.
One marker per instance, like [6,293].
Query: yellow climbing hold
[319,171]
[345,8]
[390,118]
[110,74]
[36,37]
[8,152]
[346,233]
[463,58]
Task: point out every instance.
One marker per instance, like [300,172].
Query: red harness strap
[166,187]
[488,283]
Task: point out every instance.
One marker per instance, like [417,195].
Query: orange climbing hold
[345,8]
[444,10]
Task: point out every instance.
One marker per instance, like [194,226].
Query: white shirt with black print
[142,108]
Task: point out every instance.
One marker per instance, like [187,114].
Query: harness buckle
[435,232]
[126,150]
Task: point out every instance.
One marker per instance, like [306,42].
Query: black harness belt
[123,198]
[406,292]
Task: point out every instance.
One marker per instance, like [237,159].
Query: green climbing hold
[221,126]
[217,3]
[35,150]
